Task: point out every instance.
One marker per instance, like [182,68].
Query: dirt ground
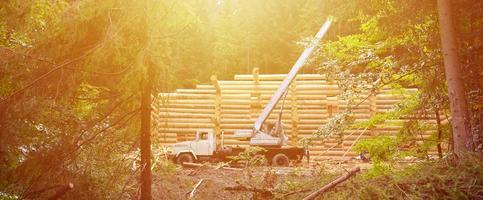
[217,182]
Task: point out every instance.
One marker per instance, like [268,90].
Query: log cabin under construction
[311,101]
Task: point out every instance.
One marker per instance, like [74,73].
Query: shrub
[380,148]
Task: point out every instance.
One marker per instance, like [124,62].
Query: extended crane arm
[290,77]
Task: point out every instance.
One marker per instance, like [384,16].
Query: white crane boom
[276,136]
[290,77]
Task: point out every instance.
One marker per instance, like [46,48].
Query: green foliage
[334,127]
[251,156]
[412,132]
[408,142]
[403,109]
[381,53]
[394,45]
[4,196]
[293,182]
[85,107]
[378,169]
[291,185]
[160,163]
[380,148]
[444,179]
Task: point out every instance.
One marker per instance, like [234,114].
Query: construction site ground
[240,183]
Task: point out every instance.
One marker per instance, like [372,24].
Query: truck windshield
[203,136]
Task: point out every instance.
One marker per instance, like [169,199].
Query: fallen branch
[232,168]
[221,165]
[192,193]
[334,183]
[189,164]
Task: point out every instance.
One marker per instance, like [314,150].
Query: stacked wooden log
[235,104]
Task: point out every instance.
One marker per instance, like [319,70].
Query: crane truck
[269,136]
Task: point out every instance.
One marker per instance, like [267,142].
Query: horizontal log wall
[231,105]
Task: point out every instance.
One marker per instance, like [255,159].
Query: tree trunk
[146,86]
[438,123]
[146,178]
[3,157]
[462,138]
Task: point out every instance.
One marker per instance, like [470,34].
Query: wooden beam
[294,114]
[217,114]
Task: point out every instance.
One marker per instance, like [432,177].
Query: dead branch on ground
[188,164]
[192,193]
[334,183]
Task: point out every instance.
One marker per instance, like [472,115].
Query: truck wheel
[280,160]
[185,157]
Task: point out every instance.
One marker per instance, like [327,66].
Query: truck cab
[204,145]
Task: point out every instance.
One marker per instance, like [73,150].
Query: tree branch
[47,74]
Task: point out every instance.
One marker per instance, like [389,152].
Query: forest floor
[216,183]
[418,179]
